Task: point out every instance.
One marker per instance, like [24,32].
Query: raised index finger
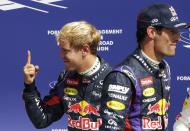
[28,61]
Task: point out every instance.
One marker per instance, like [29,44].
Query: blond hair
[80,33]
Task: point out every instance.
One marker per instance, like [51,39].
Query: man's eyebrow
[65,49]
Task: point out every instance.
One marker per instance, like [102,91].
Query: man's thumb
[37,68]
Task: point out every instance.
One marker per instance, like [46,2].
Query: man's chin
[69,68]
[172,54]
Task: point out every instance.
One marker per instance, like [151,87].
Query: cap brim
[177,25]
[188,25]
[182,25]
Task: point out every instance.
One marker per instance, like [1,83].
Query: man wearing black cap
[136,94]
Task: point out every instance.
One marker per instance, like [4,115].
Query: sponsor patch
[69,98]
[149,92]
[128,73]
[70,91]
[159,108]
[83,108]
[97,94]
[117,96]
[115,105]
[149,99]
[148,123]
[113,114]
[147,81]
[72,82]
[112,122]
[84,123]
[118,88]
[167,87]
[113,127]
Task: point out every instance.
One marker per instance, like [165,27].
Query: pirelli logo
[7,5]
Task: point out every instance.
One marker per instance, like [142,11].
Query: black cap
[160,15]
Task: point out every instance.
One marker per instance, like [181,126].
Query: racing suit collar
[139,56]
[153,63]
[95,76]
[95,67]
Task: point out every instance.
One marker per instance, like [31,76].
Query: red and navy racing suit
[76,95]
[136,96]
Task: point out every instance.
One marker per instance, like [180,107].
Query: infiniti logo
[185,38]
[6,5]
[52,84]
[154,20]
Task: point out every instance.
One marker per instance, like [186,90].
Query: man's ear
[151,33]
[85,50]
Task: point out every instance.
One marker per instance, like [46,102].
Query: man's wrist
[29,87]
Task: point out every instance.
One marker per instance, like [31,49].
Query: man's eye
[64,50]
[174,31]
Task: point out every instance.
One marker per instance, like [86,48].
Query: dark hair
[141,33]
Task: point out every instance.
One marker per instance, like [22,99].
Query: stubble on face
[165,42]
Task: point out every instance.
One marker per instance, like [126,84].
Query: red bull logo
[147,123]
[83,108]
[159,108]
[84,123]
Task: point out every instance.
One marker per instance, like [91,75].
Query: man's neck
[153,63]
[149,50]
[90,65]
[149,58]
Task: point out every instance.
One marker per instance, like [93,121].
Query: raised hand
[29,70]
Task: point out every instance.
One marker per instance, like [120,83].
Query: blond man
[78,89]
